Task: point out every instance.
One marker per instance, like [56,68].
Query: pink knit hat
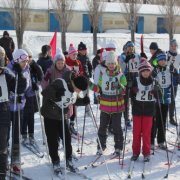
[144,65]
[72,49]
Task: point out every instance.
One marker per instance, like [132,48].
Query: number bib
[134,64]
[68,98]
[3,89]
[110,84]
[164,78]
[144,93]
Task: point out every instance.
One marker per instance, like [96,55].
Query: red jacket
[75,65]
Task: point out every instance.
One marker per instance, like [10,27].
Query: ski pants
[159,124]
[28,123]
[3,150]
[172,105]
[142,129]
[54,131]
[116,126]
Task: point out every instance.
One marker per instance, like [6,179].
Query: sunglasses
[23,57]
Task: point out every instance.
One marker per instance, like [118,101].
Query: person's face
[49,53]
[111,66]
[83,52]
[23,64]
[60,65]
[30,60]
[152,51]
[173,47]
[146,73]
[73,56]
[162,63]
[130,49]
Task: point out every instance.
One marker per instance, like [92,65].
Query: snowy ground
[40,169]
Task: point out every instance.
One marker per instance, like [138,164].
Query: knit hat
[59,55]
[81,46]
[28,50]
[65,53]
[72,49]
[110,45]
[173,42]
[129,44]
[2,57]
[80,82]
[45,49]
[153,46]
[20,55]
[111,57]
[144,65]
[98,51]
[5,33]
[161,56]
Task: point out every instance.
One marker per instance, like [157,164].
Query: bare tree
[95,8]
[65,14]
[170,9]
[19,10]
[131,8]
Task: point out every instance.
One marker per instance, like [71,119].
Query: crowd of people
[118,81]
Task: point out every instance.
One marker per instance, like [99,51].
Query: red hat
[72,49]
[144,65]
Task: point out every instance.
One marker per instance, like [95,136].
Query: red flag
[53,44]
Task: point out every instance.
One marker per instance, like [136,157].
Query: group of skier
[150,86]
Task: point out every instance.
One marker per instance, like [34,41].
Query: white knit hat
[110,45]
[111,57]
[59,55]
[28,50]
[20,55]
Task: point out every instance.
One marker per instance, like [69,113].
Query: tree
[64,14]
[95,8]
[170,9]
[19,10]
[131,8]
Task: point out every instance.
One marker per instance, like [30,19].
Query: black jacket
[86,64]
[142,108]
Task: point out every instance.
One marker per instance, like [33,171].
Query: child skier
[143,109]
[20,58]
[53,95]
[31,106]
[163,75]
[111,86]
[7,84]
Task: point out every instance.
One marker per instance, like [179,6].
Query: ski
[86,141]
[145,168]
[131,167]
[96,164]
[34,149]
[17,176]
[156,150]
[92,162]
[174,144]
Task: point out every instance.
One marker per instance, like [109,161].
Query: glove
[143,55]
[128,57]
[135,90]
[35,87]
[172,69]
[86,100]
[17,68]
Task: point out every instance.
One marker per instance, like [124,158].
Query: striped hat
[72,49]
[161,56]
[144,65]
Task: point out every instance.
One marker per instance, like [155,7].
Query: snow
[40,169]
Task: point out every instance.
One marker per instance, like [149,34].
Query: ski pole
[64,139]
[82,141]
[78,150]
[40,116]
[96,129]
[13,123]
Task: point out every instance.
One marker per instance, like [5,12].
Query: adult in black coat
[8,44]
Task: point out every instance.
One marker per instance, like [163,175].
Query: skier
[173,59]
[163,75]
[45,59]
[8,44]
[31,105]
[74,65]
[53,95]
[143,109]
[111,86]
[19,64]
